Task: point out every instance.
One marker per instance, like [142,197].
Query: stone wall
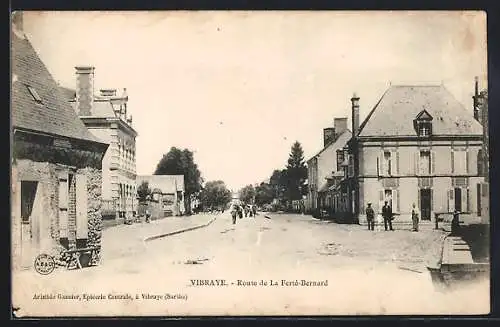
[46,174]
[94,189]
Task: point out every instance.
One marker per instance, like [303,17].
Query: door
[29,232]
[425,204]
[458,199]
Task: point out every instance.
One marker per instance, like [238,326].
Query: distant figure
[246,210]
[148,216]
[240,211]
[387,215]
[415,217]
[254,210]
[455,222]
[234,212]
[370,216]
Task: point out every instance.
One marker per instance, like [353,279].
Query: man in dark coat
[387,215]
[370,216]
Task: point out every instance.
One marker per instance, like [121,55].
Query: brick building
[56,162]
[105,115]
[417,145]
[324,167]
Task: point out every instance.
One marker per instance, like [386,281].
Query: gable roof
[341,140]
[166,183]
[393,115]
[53,114]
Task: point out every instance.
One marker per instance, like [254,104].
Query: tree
[296,172]
[143,191]
[215,194]
[247,194]
[181,162]
[264,194]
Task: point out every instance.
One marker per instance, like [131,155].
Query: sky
[239,88]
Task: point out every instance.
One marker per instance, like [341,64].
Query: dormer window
[423,124]
[34,94]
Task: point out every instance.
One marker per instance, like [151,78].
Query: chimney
[84,90]
[475,100]
[340,125]
[17,21]
[355,115]
[328,135]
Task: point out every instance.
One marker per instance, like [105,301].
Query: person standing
[234,212]
[387,215]
[415,217]
[370,216]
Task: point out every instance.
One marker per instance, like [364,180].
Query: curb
[151,238]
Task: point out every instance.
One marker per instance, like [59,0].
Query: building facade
[56,163]
[168,191]
[106,116]
[323,167]
[417,145]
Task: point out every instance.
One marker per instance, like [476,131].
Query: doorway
[458,199]
[425,203]
[29,227]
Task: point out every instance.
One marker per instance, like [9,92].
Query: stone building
[324,167]
[167,198]
[417,145]
[56,163]
[105,115]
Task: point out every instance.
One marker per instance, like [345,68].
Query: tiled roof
[393,115]
[339,142]
[52,114]
[166,183]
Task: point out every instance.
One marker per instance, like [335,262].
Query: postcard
[249,163]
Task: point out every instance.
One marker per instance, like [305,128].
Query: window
[387,163]
[424,128]
[425,163]
[423,124]
[34,94]
[340,159]
[480,161]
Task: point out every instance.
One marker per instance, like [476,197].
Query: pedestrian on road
[234,212]
[387,214]
[148,216]
[254,210]
[415,217]
[240,212]
[370,216]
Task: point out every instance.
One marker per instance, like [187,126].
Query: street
[346,270]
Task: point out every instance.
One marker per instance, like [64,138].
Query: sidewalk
[124,240]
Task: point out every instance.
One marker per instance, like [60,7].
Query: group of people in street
[388,216]
[246,210]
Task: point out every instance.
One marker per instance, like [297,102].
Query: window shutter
[382,164]
[81,207]
[468,201]
[433,162]
[63,204]
[431,207]
[467,161]
[452,162]
[397,162]
[465,199]
[451,200]
[418,199]
[381,200]
[415,162]
[395,195]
